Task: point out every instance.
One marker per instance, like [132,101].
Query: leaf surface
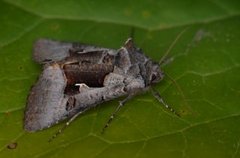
[204,63]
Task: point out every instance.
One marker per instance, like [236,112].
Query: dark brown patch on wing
[91,74]
[89,68]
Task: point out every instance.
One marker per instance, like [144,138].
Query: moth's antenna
[171,46]
[155,93]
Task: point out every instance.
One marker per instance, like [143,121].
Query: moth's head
[156,73]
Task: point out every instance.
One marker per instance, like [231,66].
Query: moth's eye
[154,77]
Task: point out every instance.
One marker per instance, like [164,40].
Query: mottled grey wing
[46,50]
[46,102]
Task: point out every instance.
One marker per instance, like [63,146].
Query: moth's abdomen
[46,102]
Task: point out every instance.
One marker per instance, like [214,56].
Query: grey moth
[77,77]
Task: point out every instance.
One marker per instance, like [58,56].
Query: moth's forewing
[46,102]
[46,50]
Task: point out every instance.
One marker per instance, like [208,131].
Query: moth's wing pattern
[129,63]
[135,54]
[46,50]
[46,102]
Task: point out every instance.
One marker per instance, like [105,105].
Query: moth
[77,77]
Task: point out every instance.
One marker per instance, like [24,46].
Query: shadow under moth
[77,77]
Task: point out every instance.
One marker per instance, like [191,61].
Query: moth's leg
[132,93]
[121,104]
[160,99]
[67,124]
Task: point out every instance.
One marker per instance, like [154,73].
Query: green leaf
[205,64]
